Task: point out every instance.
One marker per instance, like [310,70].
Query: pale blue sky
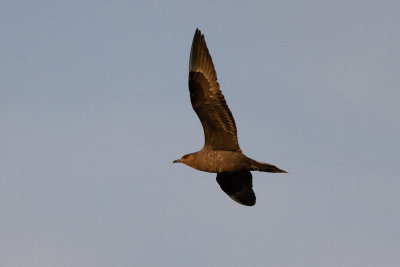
[94,106]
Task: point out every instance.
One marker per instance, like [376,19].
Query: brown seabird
[221,153]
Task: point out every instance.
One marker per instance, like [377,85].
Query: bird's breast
[220,161]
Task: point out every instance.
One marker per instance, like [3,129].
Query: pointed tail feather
[265,167]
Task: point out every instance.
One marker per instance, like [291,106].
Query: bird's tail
[264,167]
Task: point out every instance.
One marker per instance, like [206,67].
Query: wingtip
[245,202]
[198,33]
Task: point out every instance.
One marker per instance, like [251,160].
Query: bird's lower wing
[238,185]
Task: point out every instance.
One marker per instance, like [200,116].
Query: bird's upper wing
[238,185]
[207,100]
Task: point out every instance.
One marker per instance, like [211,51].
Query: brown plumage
[221,152]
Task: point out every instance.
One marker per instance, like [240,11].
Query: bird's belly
[223,161]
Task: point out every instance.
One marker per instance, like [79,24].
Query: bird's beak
[176,161]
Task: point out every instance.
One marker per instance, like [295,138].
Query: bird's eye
[185,156]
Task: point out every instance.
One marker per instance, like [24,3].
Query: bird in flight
[221,153]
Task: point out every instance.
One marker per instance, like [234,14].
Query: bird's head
[184,159]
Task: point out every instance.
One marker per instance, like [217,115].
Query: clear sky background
[94,107]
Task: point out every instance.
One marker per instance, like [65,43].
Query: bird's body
[209,160]
[221,153]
